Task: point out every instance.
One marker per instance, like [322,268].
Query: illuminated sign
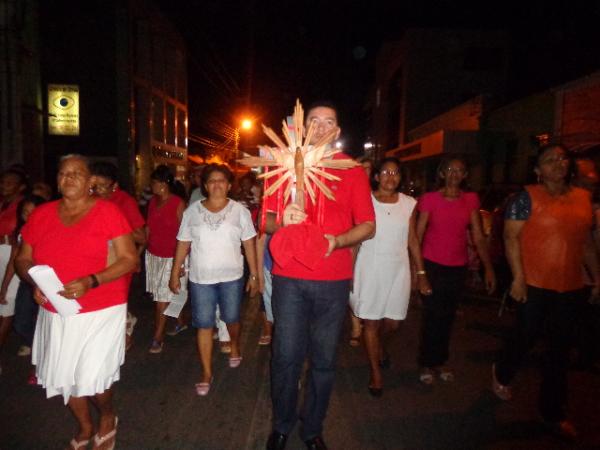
[63,109]
[168,154]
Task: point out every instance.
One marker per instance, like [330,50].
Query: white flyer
[177,303]
[46,279]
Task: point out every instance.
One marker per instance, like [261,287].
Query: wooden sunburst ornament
[295,159]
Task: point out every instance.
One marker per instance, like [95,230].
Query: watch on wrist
[95,282]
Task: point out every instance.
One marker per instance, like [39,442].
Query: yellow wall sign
[63,109]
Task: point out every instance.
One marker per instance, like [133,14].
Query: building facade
[21,100]
[429,72]
[108,81]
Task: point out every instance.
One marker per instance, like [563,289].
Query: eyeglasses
[390,173]
[103,186]
[459,170]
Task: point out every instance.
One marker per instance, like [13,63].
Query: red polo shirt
[352,206]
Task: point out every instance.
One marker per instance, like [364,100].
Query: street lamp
[246,125]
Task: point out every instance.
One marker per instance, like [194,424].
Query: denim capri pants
[206,297]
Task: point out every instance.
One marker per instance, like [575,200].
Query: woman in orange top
[546,230]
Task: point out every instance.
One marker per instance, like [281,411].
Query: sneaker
[502,392]
[24,350]
[176,330]
[156,347]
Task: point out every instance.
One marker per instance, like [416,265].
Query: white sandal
[426,376]
[99,441]
[75,445]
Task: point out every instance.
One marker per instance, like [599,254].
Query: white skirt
[381,287]
[8,309]
[79,355]
[158,274]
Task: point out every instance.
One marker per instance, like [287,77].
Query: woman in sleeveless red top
[12,187]
[165,211]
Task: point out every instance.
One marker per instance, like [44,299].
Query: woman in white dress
[382,272]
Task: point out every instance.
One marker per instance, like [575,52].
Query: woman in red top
[106,186]
[547,229]
[13,186]
[165,211]
[87,242]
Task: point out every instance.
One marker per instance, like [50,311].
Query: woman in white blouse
[213,232]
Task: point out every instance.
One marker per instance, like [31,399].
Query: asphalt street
[158,408]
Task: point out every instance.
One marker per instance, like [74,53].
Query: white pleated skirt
[8,309]
[158,274]
[80,355]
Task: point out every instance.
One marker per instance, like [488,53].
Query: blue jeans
[265,304]
[205,297]
[25,313]
[308,321]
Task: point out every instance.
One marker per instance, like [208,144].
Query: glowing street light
[246,124]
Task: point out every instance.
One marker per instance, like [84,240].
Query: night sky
[259,55]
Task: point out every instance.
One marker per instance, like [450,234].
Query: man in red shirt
[106,186]
[310,303]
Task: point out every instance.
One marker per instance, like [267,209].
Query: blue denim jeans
[308,321]
[205,298]
[26,310]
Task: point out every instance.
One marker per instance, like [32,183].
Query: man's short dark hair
[323,104]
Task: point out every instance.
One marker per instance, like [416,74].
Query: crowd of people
[365,253]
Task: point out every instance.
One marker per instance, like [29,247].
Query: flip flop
[75,445]
[100,441]
[447,375]
[426,377]
[354,341]
[264,340]
[202,389]
[235,362]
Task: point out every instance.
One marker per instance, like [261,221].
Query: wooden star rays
[295,158]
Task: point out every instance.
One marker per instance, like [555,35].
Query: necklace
[215,220]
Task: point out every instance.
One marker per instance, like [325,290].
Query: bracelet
[95,282]
[253,277]
[421,272]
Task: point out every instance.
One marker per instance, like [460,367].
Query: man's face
[324,120]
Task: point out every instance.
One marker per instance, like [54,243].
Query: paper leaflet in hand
[176,304]
[46,279]
[178,300]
